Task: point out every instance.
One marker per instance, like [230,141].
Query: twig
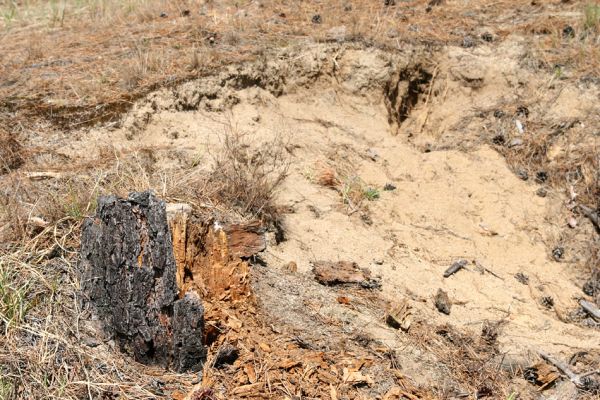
[479,265]
[42,175]
[590,309]
[454,268]
[427,98]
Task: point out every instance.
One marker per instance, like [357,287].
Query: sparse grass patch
[246,177]
[15,297]
[591,19]
[354,192]
[10,152]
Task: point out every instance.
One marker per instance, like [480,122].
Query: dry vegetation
[71,63]
[43,353]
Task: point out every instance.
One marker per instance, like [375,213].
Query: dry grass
[245,177]
[10,152]
[95,86]
[43,351]
[354,192]
[473,361]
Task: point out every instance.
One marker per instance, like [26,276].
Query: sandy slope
[449,204]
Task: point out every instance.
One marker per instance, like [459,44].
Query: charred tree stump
[129,278]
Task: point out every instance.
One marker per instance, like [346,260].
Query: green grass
[15,296]
[591,22]
[6,388]
[371,194]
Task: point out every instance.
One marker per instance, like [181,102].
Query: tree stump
[129,278]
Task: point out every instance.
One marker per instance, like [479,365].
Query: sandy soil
[455,196]
[449,203]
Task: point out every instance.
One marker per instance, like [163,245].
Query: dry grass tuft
[474,361]
[246,178]
[328,177]
[10,152]
[354,191]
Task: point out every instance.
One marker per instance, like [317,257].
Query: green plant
[591,17]
[15,296]
[371,194]
[6,388]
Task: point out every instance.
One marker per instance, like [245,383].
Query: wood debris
[400,315]
[455,267]
[590,309]
[343,272]
[356,378]
[541,374]
[582,381]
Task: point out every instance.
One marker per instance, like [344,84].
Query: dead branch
[590,309]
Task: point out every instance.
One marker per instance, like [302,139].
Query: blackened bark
[129,278]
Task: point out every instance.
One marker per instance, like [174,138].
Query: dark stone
[490,332]
[442,302]
[541,176]
[185,13]
[499,140]
[521,173]
[522,278]
[488,37]
[522,111]
[498,113]
[568,32]
[128,276]
[547,301]
[316,19]
[558,253]
[389,187]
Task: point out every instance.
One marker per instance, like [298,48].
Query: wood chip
[250,372]
[289,363]
[245,240]
[265,347]
[332,392]
[357,378]
[400,315]
[541,374]
[327,377]
[248,390]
